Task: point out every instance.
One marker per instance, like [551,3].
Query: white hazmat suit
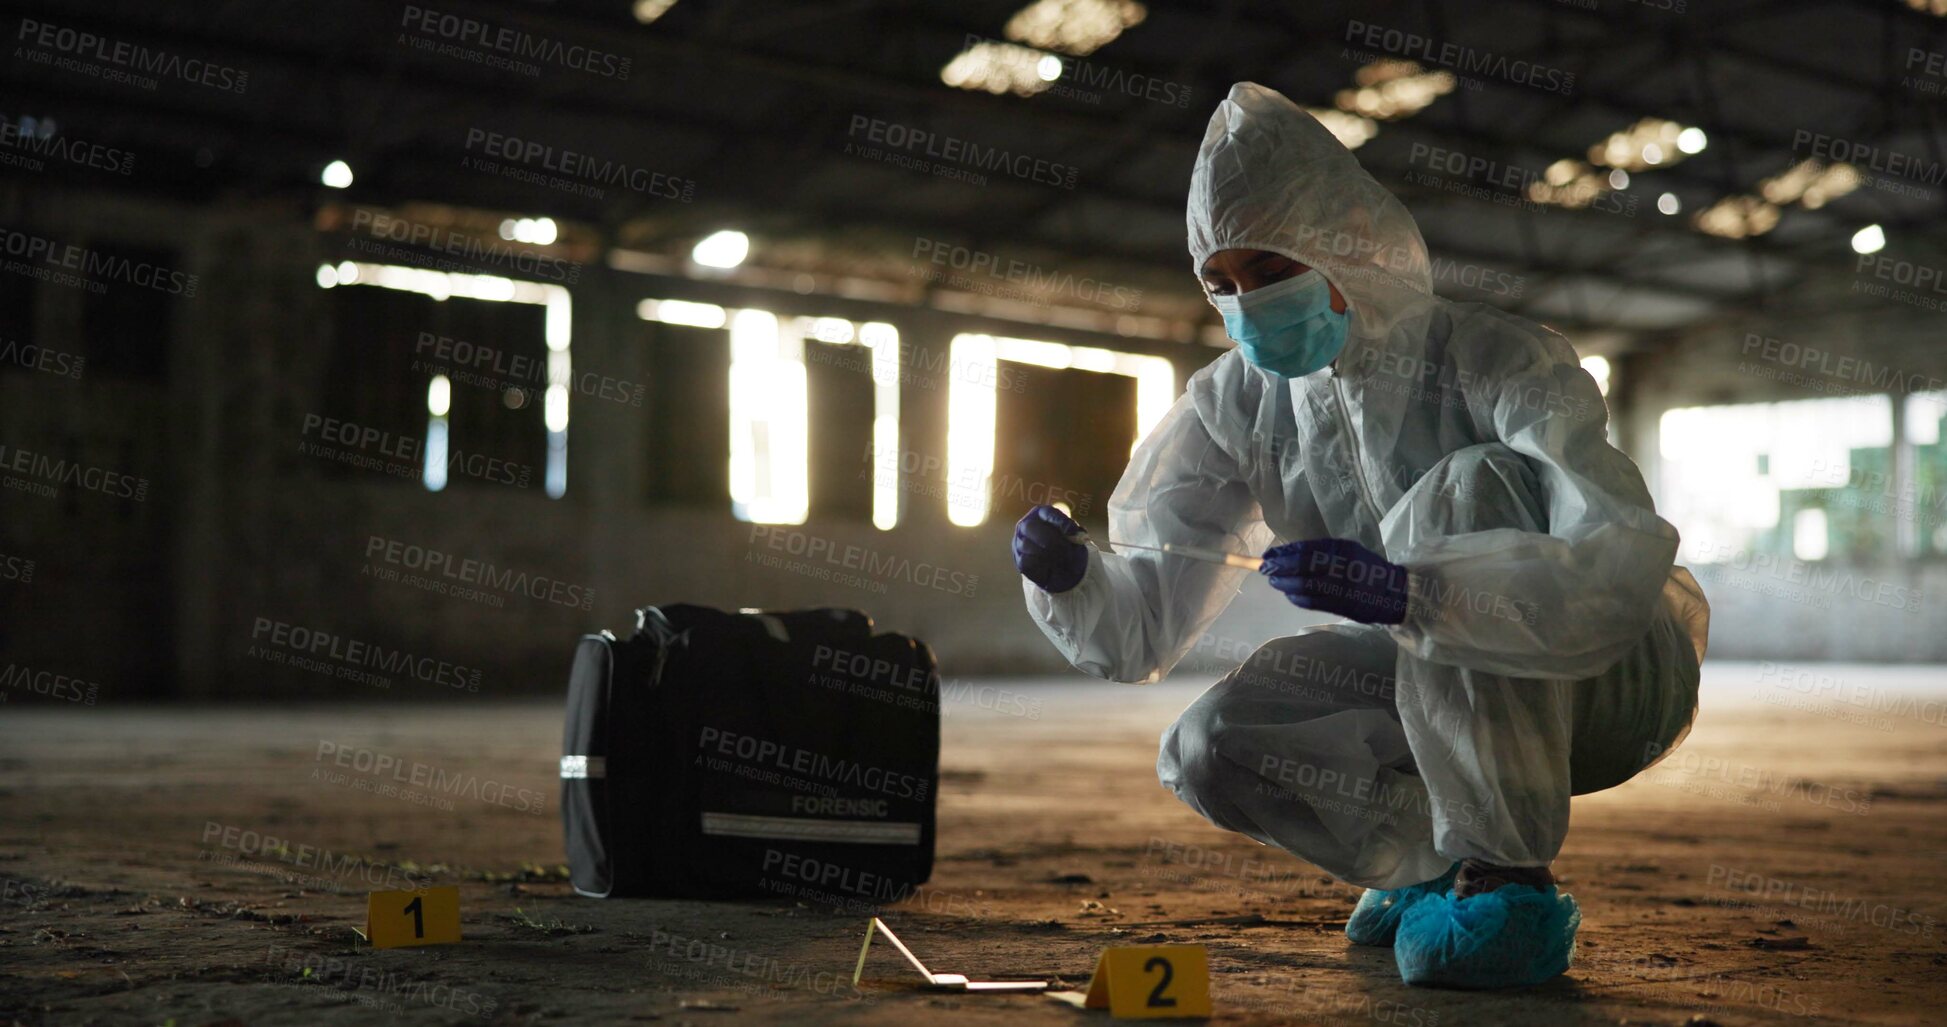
[1550,645]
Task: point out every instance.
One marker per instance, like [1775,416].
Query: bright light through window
[971,403]
[1734,479]
[883,340]
[439,401]
[434,473]
[834,330]
[443,285]
[1598,368]
[1924,494]
[970,407]
[770,469]
[439,396]
[1810,540]
[683,312]
[769,473]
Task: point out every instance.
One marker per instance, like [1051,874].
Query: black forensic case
[722,755]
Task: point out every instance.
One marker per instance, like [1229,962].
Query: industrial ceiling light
[1651,142]
[1389,90]
[1385,90]
[1568,183]
[1737,217]
[337,175]
[1001,68]
[1870,239]
[1352,130]
[647,11]
[1811,183]
[1078,27]
[725,249]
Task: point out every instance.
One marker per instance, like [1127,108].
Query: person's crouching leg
[1494,752]
[1301,748]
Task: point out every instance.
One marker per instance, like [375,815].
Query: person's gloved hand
[1338,575]
[1044,553]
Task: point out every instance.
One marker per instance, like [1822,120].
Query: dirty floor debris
[1785,869]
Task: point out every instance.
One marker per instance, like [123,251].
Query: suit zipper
[1358,464]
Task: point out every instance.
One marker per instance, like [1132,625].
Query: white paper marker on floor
[955,982]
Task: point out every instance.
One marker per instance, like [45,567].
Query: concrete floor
[1806,805]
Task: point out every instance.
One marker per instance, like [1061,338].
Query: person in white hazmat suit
[1440,474]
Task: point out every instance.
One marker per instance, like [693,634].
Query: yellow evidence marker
[428,916]
[1148,982]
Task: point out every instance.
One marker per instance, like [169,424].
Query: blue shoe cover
[1376,918]
[1510,937]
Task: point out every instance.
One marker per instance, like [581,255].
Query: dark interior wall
[1074,448]
[676,361]
[840,447]
[256,566]
[198,549]
[92,463]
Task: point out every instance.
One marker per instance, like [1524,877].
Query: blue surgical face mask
[1288,327]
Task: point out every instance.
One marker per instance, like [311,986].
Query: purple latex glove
[1045,554]
[1338,575]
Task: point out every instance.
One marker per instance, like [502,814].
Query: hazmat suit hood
[1270,177]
